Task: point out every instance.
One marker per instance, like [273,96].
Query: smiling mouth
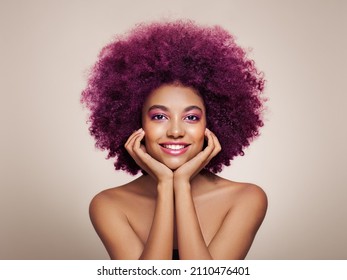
[174,147]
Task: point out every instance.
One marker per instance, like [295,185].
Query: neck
[198,182]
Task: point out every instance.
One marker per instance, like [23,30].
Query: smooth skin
[175,206]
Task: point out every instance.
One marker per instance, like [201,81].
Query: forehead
[174,97]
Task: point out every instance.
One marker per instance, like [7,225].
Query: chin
[173,166]
[175,163]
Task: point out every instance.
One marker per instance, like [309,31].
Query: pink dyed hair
[204,58]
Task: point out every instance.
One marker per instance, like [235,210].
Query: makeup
[174,148]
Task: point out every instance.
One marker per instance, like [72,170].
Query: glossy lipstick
[174,148]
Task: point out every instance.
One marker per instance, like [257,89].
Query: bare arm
[234,237]
[160,241]
[236,234]
[113,226]
[118,236]
[191,243]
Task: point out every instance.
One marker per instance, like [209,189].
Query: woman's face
[174,121]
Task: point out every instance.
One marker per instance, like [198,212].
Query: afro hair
[204,58]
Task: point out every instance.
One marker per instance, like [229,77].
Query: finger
[217,146]
[212,149]
[196,164]
[139,151]
[210,143]
[132,136]
[131,143]
[138,147]
[202,158]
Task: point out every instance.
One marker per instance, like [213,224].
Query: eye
[158,117]
[192,118]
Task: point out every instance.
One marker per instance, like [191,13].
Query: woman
[193,99]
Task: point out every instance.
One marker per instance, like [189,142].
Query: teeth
[174,147]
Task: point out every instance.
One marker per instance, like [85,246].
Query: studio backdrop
[50,169]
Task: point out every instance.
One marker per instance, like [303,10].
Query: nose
[175,129]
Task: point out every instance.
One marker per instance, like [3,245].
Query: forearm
[160,239]
[191,243]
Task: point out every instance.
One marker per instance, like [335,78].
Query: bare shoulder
[247,197]
[104,204]
[103,198]
[252,194]
[110,217]
[112,198]
[245,206]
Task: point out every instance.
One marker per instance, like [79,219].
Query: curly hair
[204,58]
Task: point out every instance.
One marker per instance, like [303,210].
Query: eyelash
[156,117]
[160,117]
[196,118]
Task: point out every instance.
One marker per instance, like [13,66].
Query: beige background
[50,169]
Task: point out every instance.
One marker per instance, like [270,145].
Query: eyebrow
[164,108]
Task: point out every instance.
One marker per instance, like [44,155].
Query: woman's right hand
[137,150]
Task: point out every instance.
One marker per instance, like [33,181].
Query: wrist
[181,179]
[181,185]
[165,179]
[164,185]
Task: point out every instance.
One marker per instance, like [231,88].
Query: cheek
[152,133]
[198,133]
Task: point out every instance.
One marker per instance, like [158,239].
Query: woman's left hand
[192,167]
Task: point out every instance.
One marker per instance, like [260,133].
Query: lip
[175,150]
